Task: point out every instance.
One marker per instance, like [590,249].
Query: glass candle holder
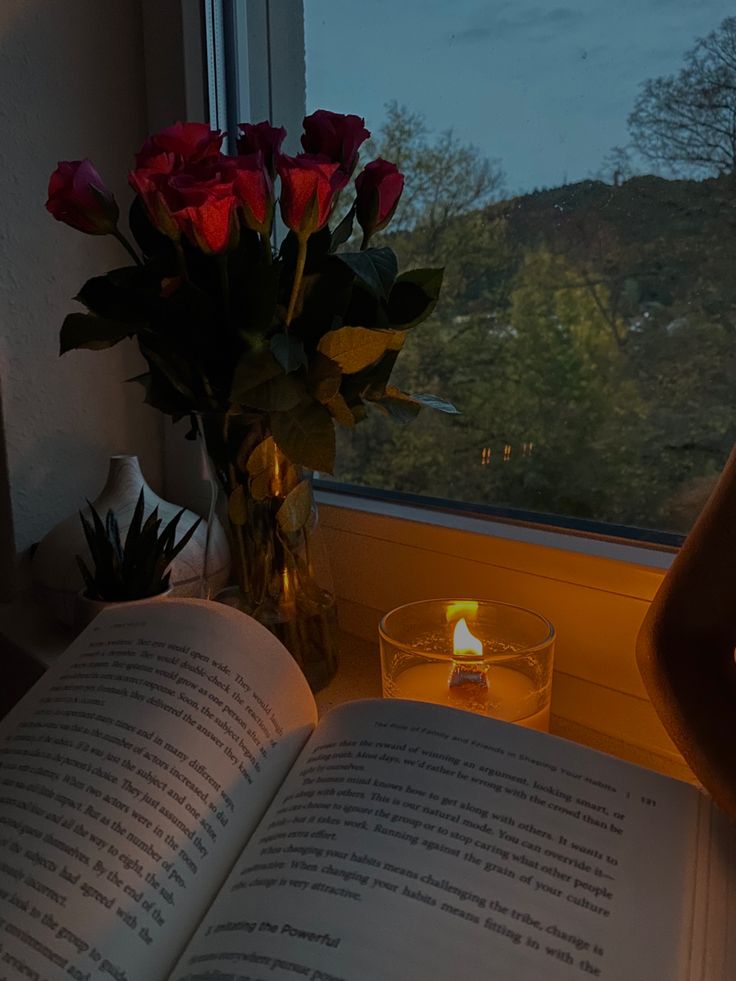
[481,656]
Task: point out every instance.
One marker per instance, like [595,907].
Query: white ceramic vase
[57,579]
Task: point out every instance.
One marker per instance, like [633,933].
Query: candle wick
[470,674]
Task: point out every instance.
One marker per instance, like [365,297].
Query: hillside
[672,242]
[595,324]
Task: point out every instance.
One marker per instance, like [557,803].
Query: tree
[448,184]
[687,121]
[447,178]
[616,167]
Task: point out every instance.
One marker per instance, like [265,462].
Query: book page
[412,841]
[714,941]
[130,778]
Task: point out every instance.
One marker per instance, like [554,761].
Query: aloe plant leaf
[169,532]
[89,579]
[134,528]
[183,541]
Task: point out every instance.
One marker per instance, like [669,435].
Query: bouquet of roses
[293,339]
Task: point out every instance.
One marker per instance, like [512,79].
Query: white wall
[72,85]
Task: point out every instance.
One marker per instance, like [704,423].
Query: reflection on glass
[573,170]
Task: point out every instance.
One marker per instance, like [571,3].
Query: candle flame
[461,608]
[463,642]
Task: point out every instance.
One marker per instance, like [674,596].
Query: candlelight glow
[461,608]
[463,642]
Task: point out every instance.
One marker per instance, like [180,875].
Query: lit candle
[479,677]
[510,695]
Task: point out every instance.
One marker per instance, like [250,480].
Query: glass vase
[280,570]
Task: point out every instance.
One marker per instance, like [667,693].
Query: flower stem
[181,261]
[224,285]
[242,570]
[266,243]
[127,246]
[301,258]
[364,243]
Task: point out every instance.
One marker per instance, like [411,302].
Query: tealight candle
[484,657]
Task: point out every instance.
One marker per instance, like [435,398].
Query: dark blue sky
[545,87]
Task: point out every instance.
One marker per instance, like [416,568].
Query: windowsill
[596,593]
[615,566]
[592,546]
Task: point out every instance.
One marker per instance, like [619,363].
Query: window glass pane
[572,167]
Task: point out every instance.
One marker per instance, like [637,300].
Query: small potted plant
[134,570]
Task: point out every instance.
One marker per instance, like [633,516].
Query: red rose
[254,191]
[264,137]
[149,183]
[378,187]
[309,186]
[202,202]
[335,136]
[188,142]
[78,196]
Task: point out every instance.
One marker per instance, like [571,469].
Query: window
[596,592]
[571,167]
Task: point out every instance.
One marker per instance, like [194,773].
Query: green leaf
[354,348]
[260,466]
[376,268]
[343,231]
[237,510]
[276,395]
[85,330]
[402,407]
[126,295]
[260,486]
[306,436]
[340,411]
[288,351]
[175,367]
[89,579]
[160,394]
[175,549]
[296,510]
[262,457]
[324,377]
[134,528]
[414,296]
[435,402]
[253,370]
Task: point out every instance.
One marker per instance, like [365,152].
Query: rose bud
[78,197]
[336,136]
[202,202]
[264,137]
[309,186]
[254,192]
[188,142]
[378,187]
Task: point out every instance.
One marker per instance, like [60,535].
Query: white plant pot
[56,576]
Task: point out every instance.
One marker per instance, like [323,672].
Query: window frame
[256,69]
[386,550]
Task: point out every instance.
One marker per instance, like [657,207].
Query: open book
[171,811]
